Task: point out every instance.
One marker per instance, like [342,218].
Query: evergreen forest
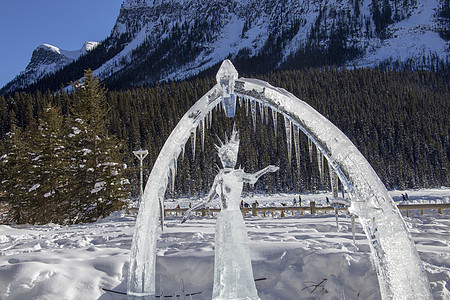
[66,157]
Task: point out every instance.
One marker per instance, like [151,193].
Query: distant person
[406,196]
[328,200]
[294,202]
[299,200]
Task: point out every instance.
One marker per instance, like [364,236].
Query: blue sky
[26,24]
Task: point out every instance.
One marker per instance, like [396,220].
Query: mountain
[46,60]
[160,40]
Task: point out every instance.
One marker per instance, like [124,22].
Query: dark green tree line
[398,120]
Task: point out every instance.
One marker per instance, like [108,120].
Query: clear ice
[288,128]
[253,108]
[233,274]
[400,271]
[297,146]
[275,121]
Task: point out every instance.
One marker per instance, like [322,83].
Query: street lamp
[141,154]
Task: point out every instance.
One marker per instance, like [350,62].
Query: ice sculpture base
[233,274]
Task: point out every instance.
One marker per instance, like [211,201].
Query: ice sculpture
[233,274]
[226,76]
[400,271]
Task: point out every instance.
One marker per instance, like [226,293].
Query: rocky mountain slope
[157,40]
[47,59]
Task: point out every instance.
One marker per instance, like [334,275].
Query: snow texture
[294,253]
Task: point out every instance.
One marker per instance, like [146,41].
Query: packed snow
[300,256]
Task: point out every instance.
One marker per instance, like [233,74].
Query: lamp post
[141,154]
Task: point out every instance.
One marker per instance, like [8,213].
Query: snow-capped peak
[89,46]
[49,47]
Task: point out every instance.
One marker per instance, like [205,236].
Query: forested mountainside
[154,41]
[398,120]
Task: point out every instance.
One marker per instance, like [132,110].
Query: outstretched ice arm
[253,178]
[212,193]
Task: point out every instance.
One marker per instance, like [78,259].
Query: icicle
[193,137]
[310,149]
[202,133]
[334,180]
[274,119]
[320,164]
[253,107]
[161,288]
[246,106]
[183,150]
[175,164]
[206,118]
[266,114]
[297,146]
[210,115]
[183,292]
[173,174]
[261,110]
[288,128]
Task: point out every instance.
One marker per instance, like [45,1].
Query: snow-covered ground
[301,256]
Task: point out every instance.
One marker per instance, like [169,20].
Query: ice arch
[400,271]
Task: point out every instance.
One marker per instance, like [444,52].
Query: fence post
[254,212]
[312,206]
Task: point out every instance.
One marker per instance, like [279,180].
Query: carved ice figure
[226,77]
[233,274]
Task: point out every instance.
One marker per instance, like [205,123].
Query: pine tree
[16,175]
[50,166]
[97,159]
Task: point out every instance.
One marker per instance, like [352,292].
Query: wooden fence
[290,210]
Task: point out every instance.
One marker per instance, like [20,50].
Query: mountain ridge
[47,59]
[159,40]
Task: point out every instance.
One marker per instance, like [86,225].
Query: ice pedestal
[233,274]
